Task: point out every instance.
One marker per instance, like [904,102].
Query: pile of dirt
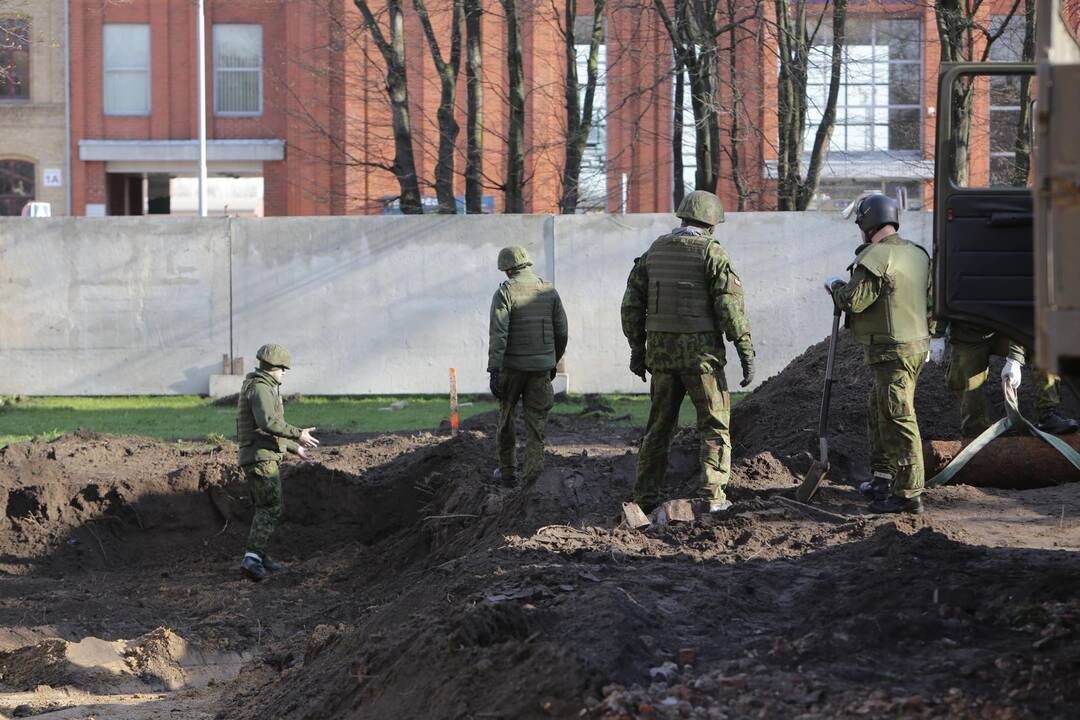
[781,416]
[415,586]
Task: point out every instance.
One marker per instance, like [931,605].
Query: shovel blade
[811,481]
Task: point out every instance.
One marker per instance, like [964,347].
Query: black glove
[637,363]
[747,371]
[553,373]
[493,383]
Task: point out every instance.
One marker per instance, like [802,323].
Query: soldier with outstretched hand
[527,337]
[682,299]
[887,302]
[264,437]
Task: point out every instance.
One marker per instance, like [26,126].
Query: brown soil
[415,588]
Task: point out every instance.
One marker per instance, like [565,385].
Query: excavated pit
[415,587]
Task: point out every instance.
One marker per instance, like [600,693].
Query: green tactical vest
[679,300]
[532,306]
[254,444]
[899,314]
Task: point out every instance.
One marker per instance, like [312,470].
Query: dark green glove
[637,364]
[747,370]
[493,383]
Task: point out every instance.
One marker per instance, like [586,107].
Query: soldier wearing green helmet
[264,437]
[526,339]
[682,299]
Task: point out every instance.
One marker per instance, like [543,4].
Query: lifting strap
[1012,419]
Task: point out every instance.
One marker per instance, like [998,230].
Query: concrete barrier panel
[366,304]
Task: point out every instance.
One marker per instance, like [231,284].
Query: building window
[835,195]
[1008,163]
[879,105]
[238,69]
[592,183]
[127,69]
[16,186]
[14,59]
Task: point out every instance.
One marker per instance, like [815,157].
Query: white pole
[201,49]
[623,182]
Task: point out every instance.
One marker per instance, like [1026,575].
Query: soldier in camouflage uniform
[264,437]
[970,348]
[526,339]
[682,298]
[887,301]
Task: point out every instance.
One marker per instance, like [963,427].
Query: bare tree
[447,112]
[693,31]
[964,38]
[397,88]
[579,111]
[474,112]
[1022,166]
[514,188]
[795,40]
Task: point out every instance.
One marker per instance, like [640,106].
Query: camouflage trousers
[709,393]
[968,370]
[533,389]
[264,485]
[895,442]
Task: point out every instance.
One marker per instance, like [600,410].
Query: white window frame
[873,107]
[259,70]
[148,70]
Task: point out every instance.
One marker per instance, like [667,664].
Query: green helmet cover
[701,206]
[274,355]
[514,256]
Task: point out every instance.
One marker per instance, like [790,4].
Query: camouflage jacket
[261,430]
[700,351]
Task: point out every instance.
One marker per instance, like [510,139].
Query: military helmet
[274,355]
[701,206]
[875,212]
[514,256]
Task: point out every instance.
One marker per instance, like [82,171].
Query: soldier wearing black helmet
[527,337]
[887,300]
[682,299]
[263,438]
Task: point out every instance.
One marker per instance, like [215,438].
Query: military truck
[1007,231]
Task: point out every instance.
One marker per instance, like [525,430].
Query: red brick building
[296,100]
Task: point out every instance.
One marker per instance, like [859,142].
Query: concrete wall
[366,305]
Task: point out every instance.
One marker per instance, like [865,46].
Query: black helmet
[876,211]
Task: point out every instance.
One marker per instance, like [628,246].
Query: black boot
[270,565]
[876,488]
[1051,422]
[897,504]
[253,568]
[509,480]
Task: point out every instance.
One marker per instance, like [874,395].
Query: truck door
[983,262]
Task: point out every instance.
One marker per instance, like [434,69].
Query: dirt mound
[781,416]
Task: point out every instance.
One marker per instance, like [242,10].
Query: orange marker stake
[453,402]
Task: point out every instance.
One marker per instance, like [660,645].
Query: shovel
[819,467]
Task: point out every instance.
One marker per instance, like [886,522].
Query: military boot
[270,565]
[509,480]
[1055,424]
[878,487]
[897,504]
[253,568]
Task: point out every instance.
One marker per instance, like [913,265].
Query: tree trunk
[397,88]
[1022,165]
[446,114]
[678,189]
[734,129]
[515,150]
[474,130]
[579,113]
[823,136]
